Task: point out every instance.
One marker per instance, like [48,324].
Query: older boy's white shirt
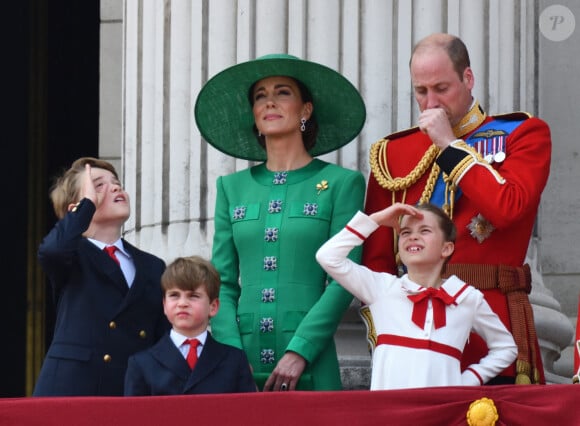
[179,339]
[125,259]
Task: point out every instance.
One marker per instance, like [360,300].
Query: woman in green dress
[275,301]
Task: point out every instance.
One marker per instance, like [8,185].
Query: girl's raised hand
[392,214]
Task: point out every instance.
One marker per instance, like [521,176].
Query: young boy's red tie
[192,354]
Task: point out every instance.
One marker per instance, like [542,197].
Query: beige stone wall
[111,84]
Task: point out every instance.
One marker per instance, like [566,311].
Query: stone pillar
[555,331]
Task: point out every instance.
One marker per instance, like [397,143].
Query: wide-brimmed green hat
[224,115]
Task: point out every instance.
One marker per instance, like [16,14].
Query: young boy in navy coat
[107,308]
[190,298]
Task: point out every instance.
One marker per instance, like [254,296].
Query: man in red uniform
[487,172]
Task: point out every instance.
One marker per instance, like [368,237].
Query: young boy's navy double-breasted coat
[162,370]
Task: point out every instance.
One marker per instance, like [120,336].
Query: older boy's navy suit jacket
[162,370]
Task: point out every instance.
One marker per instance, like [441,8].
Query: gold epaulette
[401,133]
[517,115]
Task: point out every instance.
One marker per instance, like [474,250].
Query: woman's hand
[286,373]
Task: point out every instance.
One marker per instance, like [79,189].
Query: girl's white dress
[414,356]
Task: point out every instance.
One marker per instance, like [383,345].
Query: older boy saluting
[106,290]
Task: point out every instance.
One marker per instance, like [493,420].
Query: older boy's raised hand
[391,215]
[88,189]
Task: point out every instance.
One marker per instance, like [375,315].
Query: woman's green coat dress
[274,296]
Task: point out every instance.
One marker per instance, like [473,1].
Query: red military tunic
[494,214]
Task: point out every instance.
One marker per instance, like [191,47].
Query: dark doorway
[51,113]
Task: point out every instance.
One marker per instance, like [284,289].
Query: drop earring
[302,124]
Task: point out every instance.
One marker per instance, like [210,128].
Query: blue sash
[488,140]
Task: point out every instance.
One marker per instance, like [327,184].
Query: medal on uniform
[480,228]
[499,154]
[488,151]
[491,145]
[486,154]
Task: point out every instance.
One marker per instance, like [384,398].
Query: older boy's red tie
[192,354]
[111,252]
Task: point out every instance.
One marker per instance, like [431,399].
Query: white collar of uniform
[179,339]
[119,244]
[457,288]
[453,286]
